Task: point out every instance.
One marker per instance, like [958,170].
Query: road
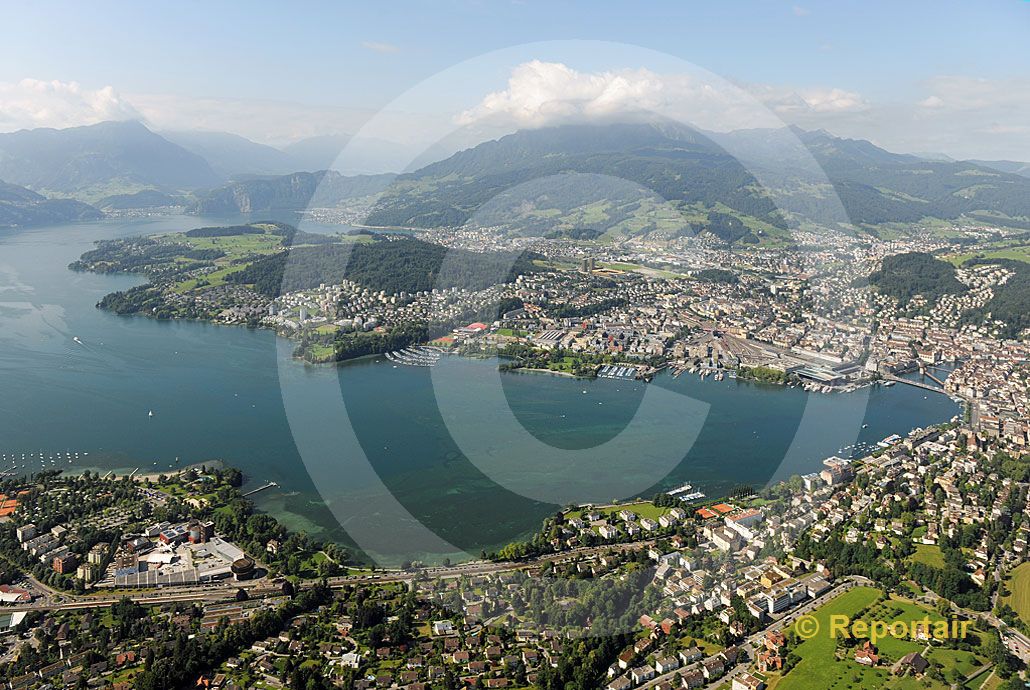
[1017,642]
[59,601]
[754,642]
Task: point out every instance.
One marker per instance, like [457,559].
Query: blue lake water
[363,451]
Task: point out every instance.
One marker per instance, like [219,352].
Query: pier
[269,485]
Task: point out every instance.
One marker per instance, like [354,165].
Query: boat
[150,414]
[888,384]
[865,426]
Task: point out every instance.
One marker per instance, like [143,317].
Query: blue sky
[197,62]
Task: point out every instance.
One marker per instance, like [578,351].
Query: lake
[406,461]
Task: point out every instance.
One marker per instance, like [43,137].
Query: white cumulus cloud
[544,93]
[540,94]
[35,103]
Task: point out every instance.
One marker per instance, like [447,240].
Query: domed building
[243,568]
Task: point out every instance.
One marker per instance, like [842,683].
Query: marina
[421,356]
[21,463]
[613,371]
[218,394]
[686,493]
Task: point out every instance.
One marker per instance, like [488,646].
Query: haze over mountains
[691,174]
[21,206]
[623,179]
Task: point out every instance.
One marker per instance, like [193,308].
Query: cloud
[33,103]
[800,11]
[932,102]
[973,93]
[540,94]
[379,47]
[543,93]
[833,100]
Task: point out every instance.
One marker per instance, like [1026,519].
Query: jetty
[269,485]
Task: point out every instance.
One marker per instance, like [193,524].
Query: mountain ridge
[20,206]
[87,161]
[662,164]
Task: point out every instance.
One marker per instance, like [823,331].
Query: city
[523,345]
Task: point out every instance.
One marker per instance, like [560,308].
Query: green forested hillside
[640,178]
[402,265]
[673,164]
[903,276]
[1011,301]
[877,186]
[146,198]
[21,207]
[293,192]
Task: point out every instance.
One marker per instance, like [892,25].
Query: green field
[1018,585]
[1016,252]
[819,669]
[644,270]
[964,663]
[235,245]
[212,279]
[239,251]
[928,554]
[643,509]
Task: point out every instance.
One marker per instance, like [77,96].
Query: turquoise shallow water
[216,394]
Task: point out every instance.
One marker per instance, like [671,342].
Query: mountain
[1014,167]
[20,206]
[147,198]
[349,155]
[934,156]
[294,192]
[316,153]
[230,154]
[626,178]
[98,160]
[875,186]
[629,180]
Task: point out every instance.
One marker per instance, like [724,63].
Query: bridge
[917,384]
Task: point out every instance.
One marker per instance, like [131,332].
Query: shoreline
[552,372]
